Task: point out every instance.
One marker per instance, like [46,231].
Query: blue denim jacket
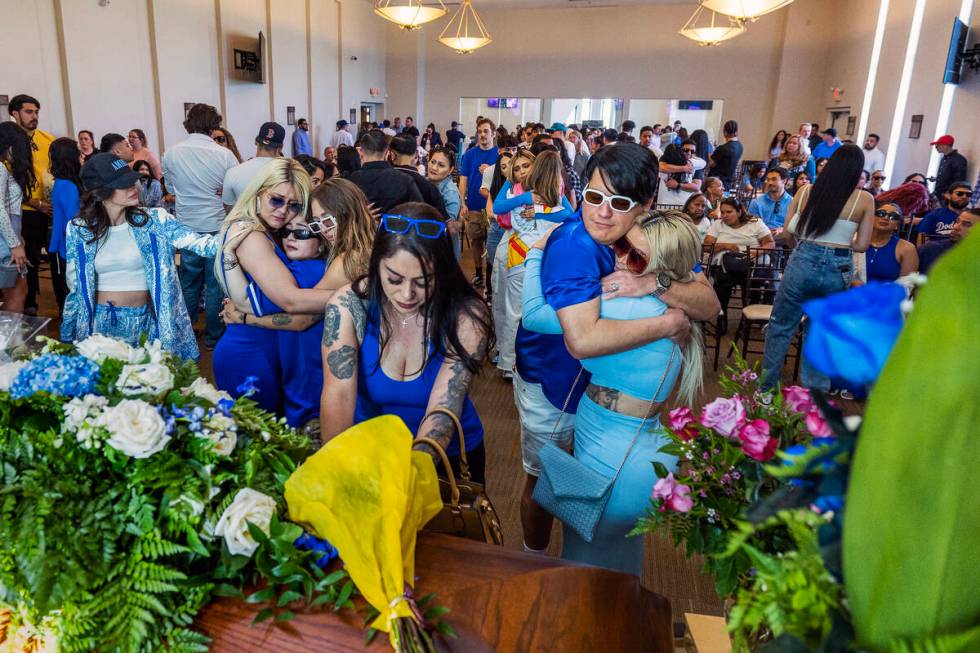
[158,242]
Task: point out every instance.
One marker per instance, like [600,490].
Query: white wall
[111,79]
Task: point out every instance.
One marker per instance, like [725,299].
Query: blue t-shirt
[772,212]
[64,207]
[824,151]
[938,223]
[470,168]
[571,273]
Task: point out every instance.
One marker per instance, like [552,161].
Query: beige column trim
[220,39]
[309,79]
[63,56]
[267,58]
[341,110]
[155,68]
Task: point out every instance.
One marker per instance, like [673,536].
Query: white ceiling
[520,4]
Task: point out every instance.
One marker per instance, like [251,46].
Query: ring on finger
[614,286]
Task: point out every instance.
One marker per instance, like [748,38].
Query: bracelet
[244,318]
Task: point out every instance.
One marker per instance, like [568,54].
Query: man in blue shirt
[301,138]
[938,223]
[773,205]
[933,250]
[828,146]
[455,137]
[578,268]
[474,162]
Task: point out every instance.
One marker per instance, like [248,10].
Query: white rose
[153,350]
[150,378]
[248,506]
[8,371]
[80,409]
[135,428]
[204,390]
[98,348]
[221,431]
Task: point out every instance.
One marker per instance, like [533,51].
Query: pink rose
[817,425]
[681,421]
[676,496]
[724,415]
[756,442]
[798,399]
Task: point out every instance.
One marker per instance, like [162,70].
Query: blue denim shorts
[538,423]
[128,323]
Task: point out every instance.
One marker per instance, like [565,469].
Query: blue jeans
[196,274]
[494,233]
[813,271]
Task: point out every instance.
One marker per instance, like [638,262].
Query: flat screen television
[695,105]
[502,102]
[954,58]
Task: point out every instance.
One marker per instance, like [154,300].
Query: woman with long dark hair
[348,161]
[694,209]
[442,163]
[120,264]
[223,137]
[889,256]
[777,144]
[832,219]
[64,157]
[17,180]
[407,338]
[86,145]
[431,138]
[151,191]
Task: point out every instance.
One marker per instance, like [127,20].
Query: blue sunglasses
[399,224]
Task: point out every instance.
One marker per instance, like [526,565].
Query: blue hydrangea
[248,387]
[325,552]
[67,376]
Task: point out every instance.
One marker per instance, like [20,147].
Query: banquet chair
[709,328]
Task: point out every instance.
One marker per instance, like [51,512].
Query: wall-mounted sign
[290,115]
[248,60]
[851,121]
[915,130]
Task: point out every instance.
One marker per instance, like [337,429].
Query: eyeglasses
[277,203]
[618,203]
[961,193]
[220,140]
[323,224]
[298,234]
[891,215]
[399,224]
[878,177]
[636,261]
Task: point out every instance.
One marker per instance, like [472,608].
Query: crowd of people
[335,286]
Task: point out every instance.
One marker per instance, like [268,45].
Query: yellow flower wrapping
[368,494]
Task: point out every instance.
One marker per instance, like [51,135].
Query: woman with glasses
[831,219]
[537,206]
[223,137]
[251,251]
[889,257]
[442,162]
[407,338]
[120,264]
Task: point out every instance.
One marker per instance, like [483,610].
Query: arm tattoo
[442,430]
[331,325]
[342,362]
[355,306]
[456,389]
[281,319]
[605,397]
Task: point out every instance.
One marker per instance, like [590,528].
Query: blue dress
[882,262]
[570,274]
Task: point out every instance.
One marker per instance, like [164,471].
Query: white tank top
[841,233]
[118,262]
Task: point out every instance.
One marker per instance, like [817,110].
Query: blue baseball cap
[558,127]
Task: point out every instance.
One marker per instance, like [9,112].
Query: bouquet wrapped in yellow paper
[368,493]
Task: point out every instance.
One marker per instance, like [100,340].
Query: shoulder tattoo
[331,325]
[355,307]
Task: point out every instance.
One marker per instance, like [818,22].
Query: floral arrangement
[134,492]
[722,453]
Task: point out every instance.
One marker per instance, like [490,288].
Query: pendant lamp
[465,31]
[745,9]
[711,30]
[410,14]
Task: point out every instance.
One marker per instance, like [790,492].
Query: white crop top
[118,262]
[841,233]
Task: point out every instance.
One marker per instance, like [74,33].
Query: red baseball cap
[943,140]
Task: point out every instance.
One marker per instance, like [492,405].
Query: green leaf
[660,469]
[263,595]
[224,589]
[285,615]
[912,525]
[288,597]
[263,615]
[345,593]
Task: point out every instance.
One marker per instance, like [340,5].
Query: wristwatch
[663,284]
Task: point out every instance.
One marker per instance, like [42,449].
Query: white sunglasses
[618,203]
[323,224]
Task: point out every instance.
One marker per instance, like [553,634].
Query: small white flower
[266,436]
[248,506]
[221,431]
[135,428]
[80,409]
[196,507]
[150,378]
[204,390]
[151,352]
[8,371]
[98,348]
[852,422]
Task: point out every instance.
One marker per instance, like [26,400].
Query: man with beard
[939,223]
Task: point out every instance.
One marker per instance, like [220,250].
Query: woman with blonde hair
[581,158]
[617,427]
[251,259]
[533,212]
[794,158]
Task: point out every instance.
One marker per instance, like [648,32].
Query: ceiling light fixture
[465,31]
[745,9]
[712,33]
[409,14]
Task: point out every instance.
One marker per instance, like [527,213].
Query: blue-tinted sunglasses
[399,224]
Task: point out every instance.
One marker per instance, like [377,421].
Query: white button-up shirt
[194,170]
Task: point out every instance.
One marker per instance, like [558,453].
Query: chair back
[765,273]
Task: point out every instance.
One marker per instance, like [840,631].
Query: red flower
[756,442]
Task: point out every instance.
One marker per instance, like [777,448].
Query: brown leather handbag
[467,510]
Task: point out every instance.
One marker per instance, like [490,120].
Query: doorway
[370,112]
[838,119]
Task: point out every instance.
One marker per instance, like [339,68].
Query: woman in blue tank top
[407,338]
[617,426]
[889,257]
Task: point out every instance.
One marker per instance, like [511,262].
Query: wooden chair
[709,328]
[760,289]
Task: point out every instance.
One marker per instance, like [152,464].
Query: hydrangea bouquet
[133,492]
[722,452]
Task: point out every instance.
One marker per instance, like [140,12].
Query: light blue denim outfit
[453,201]
[158,242]
[603,437]
[813,271]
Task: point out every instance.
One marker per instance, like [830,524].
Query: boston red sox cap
[271,133]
